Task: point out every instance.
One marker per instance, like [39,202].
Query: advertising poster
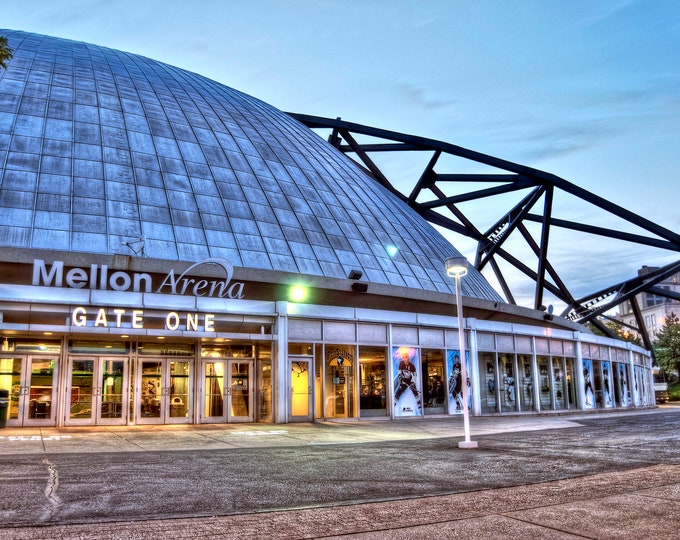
[453,368]
[606,385]
[625,390]
[408,400]
[588,384]
[637,386]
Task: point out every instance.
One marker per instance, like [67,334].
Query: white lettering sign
[97,277]
[134,318]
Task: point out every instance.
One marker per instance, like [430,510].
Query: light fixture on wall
[355,274]
[360,287]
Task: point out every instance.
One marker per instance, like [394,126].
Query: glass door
[339,387]
[240,391]
[31,384]
[300,389]
[97,391]
[227,391]
[163,391]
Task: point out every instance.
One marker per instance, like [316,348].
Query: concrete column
[474,368]
[535,376]
[580,381]
[281,389]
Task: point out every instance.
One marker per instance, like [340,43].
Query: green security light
[298,293]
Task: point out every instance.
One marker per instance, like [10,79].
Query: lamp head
[456,266]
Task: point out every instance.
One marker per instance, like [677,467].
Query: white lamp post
[457,267]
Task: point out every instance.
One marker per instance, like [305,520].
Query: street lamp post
[457,267]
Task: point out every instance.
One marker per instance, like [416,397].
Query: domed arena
[173,250]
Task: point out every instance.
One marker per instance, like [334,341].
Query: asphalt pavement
[596,475]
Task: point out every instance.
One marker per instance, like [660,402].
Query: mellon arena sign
[100,277]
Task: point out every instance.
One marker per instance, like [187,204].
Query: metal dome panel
[103,151]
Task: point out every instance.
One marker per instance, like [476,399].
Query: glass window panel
[434,383]
[373,381]
[509,382]
[82,384]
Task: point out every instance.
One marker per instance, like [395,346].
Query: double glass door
[31,382]
[97,390]
[163,391]
[227,391]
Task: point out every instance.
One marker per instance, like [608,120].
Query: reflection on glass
[509,380]
[339,382]
[559,397]
[526,382]
[151,389]
[82,385]
[300,388]
[570,383]
[179,389]
[544,383]
[240,384]
[112,388]
[264,382]
[434,386]
[488,383]
[372,370]
[40,397]
[10,379]
[214,390]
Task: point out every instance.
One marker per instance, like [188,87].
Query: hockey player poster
[407,394]
[625,390]
[606,386]
[589,392]
[453,368]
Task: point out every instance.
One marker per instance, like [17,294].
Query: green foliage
[622,332]
[667,348]
[674,391]
[5,52]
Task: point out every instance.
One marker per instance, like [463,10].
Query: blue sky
[588,90]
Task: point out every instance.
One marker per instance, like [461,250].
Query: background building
[176,251]
[654,308]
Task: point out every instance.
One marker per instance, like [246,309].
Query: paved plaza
[564,476]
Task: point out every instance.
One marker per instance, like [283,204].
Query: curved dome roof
[108,152]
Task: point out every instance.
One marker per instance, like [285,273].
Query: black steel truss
[430,197]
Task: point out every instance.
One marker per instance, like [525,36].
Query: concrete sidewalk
[179,437]
[637,504]
[636,497]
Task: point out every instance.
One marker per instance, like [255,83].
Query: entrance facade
[164,393]
[31,381]
[227,391]
[97,391]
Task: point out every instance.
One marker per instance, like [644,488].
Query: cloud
[423,98]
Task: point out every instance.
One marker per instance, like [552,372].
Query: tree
[5,52]
[667,348]
[622,332]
